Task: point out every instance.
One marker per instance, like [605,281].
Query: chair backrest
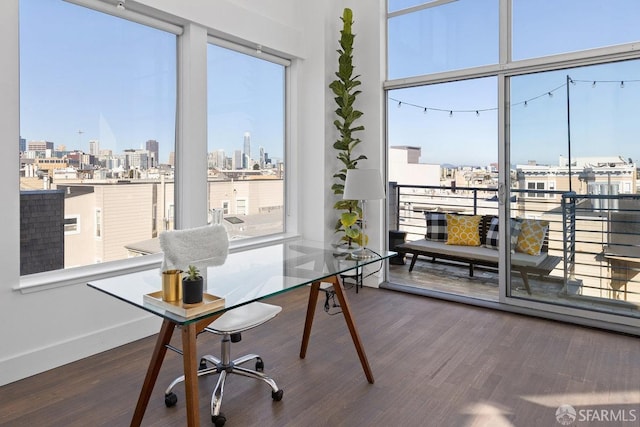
[201,246]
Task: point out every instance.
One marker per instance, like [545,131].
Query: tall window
[246,139]
[548,90]
[547,27]
[97,124]
[441,37]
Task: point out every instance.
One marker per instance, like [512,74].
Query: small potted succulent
[192,286]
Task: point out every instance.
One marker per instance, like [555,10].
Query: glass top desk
[245,277]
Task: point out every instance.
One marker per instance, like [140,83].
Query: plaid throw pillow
[436,226]
[493,234]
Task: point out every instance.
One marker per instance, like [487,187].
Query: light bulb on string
[593,84]
[622,85]
[399,104]
[451,113]
[550,94]
[425,110]
[525,104]
[477,113]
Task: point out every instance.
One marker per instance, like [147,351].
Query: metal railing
[597,236]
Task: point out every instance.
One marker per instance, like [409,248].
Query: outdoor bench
[523,263]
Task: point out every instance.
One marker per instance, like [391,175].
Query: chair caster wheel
[218,420]
[170,399]
[259,365]
[203,365]
[277,395]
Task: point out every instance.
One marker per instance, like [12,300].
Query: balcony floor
[449,278]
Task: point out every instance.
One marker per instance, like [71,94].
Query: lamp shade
[363,184]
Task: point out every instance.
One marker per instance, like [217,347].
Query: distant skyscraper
[94,147]
[262,158]
[172,158]
[236,162]
[246,153]
[23,144]
[39,145]
[152,148]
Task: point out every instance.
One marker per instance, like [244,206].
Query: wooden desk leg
[346,311]
[191,374]
[164,337]
[311,309]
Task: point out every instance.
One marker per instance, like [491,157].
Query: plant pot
[192,291]
[171,287]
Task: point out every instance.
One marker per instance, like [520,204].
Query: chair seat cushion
[243,318]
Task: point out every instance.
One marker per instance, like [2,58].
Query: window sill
[81,275]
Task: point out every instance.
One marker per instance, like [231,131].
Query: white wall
[52,327]
[402,172]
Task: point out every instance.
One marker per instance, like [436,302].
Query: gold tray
[209,303]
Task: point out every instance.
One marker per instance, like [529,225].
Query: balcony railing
[597,236]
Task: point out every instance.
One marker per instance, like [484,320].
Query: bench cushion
[479,253]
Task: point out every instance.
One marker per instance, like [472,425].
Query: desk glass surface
[245,276]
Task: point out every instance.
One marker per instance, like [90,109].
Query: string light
[525,103]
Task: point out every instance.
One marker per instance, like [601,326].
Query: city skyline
[91,144]
[86,75]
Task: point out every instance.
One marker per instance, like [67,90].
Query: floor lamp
[363,184]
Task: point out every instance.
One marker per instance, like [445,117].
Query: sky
[88,76]
[465,34]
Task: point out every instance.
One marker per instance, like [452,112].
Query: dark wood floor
[436,363]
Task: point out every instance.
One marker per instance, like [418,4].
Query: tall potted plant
[345,90]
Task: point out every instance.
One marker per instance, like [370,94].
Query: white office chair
[230,325]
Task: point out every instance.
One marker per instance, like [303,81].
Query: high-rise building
[262,158]
[152,148]
[236,162]
[23,144]
[136,159]
[246,152]
[94,147]
[39,145]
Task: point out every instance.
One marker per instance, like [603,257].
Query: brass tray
[209,303]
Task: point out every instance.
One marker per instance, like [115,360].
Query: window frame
[98,223]
[191,52]
[75,225]
[504,70]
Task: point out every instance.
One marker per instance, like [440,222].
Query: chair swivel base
[223,368]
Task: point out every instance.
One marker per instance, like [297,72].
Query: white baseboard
[42,359]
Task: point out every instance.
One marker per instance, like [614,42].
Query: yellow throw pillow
[532,236]
[463,230]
